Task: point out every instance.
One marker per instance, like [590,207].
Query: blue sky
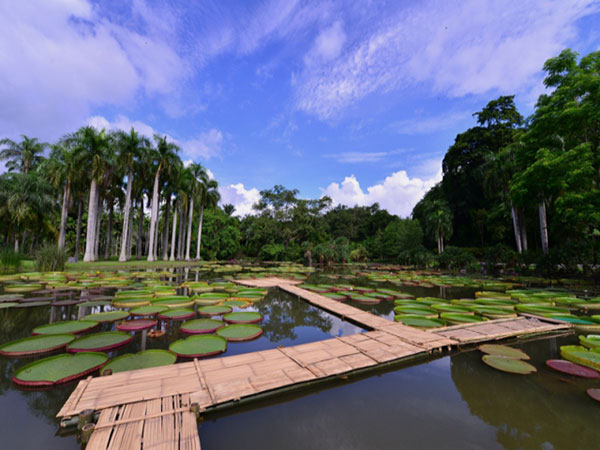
[358,100]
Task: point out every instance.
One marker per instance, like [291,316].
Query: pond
[452,402]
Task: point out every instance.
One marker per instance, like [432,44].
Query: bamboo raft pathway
[151,408]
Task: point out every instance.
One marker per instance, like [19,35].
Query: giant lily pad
[22,287]
[199,346]
[59,369]
[177,314]
[236,303]
[458,318]
[449,308]
[510,365]
[5,305]
[418,321]
[95,342]
[215,310]
[590,341]
[535,308]
[69,326]
[36,345]
[503,350]
[130,302]
[243,317]
[594,393]
[364,299]
[570,368]
[240,332]
[419,311]
[150,310]
[207,301]
[32,304]
[175,301]
[581,355]
[107,316]
[141,360]
[136,324]
[201,326]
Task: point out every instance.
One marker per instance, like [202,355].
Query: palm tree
[165,157]
[438,221]
[196,175]
[22,156]
[209,198]
[63,166]
[131,146]
[229,209]
[95,147]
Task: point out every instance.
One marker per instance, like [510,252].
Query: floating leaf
[240,332]
[594,393]
[141,360]
[510,365]
[201,326]
[36,345]
[177,314]
[581,355]
[458,318]
[243,317]
[199,346]
[503,350]
[95,342]
[215,310]
[418,321]
[590,341]
[107,316]
[145,311]
[136,324]
[70,326]
[570,368]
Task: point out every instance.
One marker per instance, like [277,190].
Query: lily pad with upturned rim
[594,393]
[509,365]
[365,299]
[215,310]
[177,314]
[570,368]
[107,316]
[201,326]
[97,342]
[240,332]
[145,311]
[127,302]
[590,341]
[174,302]
[31,304]
[243,317]
[36,345]
[460,318]
[236,303]
[5,305]
[59,369]
[503,350]
[199,346]
[136,324]
[69,326]
[581,355]
[141,360]
[418,321]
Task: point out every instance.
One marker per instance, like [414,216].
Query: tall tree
[22,156]
[209,198]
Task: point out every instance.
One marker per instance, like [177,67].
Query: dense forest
[514,190]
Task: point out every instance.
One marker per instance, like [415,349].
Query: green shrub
[10,261]
[456,258]
[50,258]
[271,252]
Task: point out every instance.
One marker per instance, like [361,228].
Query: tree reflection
[543,410]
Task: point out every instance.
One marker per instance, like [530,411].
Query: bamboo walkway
[150,408]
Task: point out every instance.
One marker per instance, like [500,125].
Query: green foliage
[271,252]
[359,254]
[50,258]
[456,258]
[10,261]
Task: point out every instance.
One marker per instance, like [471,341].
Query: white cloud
[458,49]
[207,145]
[361,157]
[61,59]
[428,125]
[240,197]
[398,193]
[328,44]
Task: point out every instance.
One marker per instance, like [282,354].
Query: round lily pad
[201,326]
[492,312]
[365,299]
[503,350]
[419,311]
[207,301]
[94,303]
[335,296]
[127,302]
[145,311]
[594,393]
[510,365]
[139,293]
[590,341]
[243,317]
[69,326]
[199,346]
[418,321]
[136,324]
[107,316]
[570,368]
[458,318]
[22,287]
[581,355]
[36,345]
[240,332]
[32,304]
[174,302]
[96,342]
[5,305]
[236,303]
[177,314]
[141,360]
[215,310]
[59,369]
[448,308]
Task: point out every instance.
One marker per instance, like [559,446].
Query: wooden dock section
[150,408]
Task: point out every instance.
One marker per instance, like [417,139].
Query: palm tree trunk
[107,250]
[98,226]
[155,249]
[153,216]
[189,230]
[165,239]
[91,222]
[543,226]
[126,214]
[63,214]
[200,219]
[523,229]
[140,232]
[129,235]
[174,232]
[78,236]
[16,242]
[516,228]
[181,234]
